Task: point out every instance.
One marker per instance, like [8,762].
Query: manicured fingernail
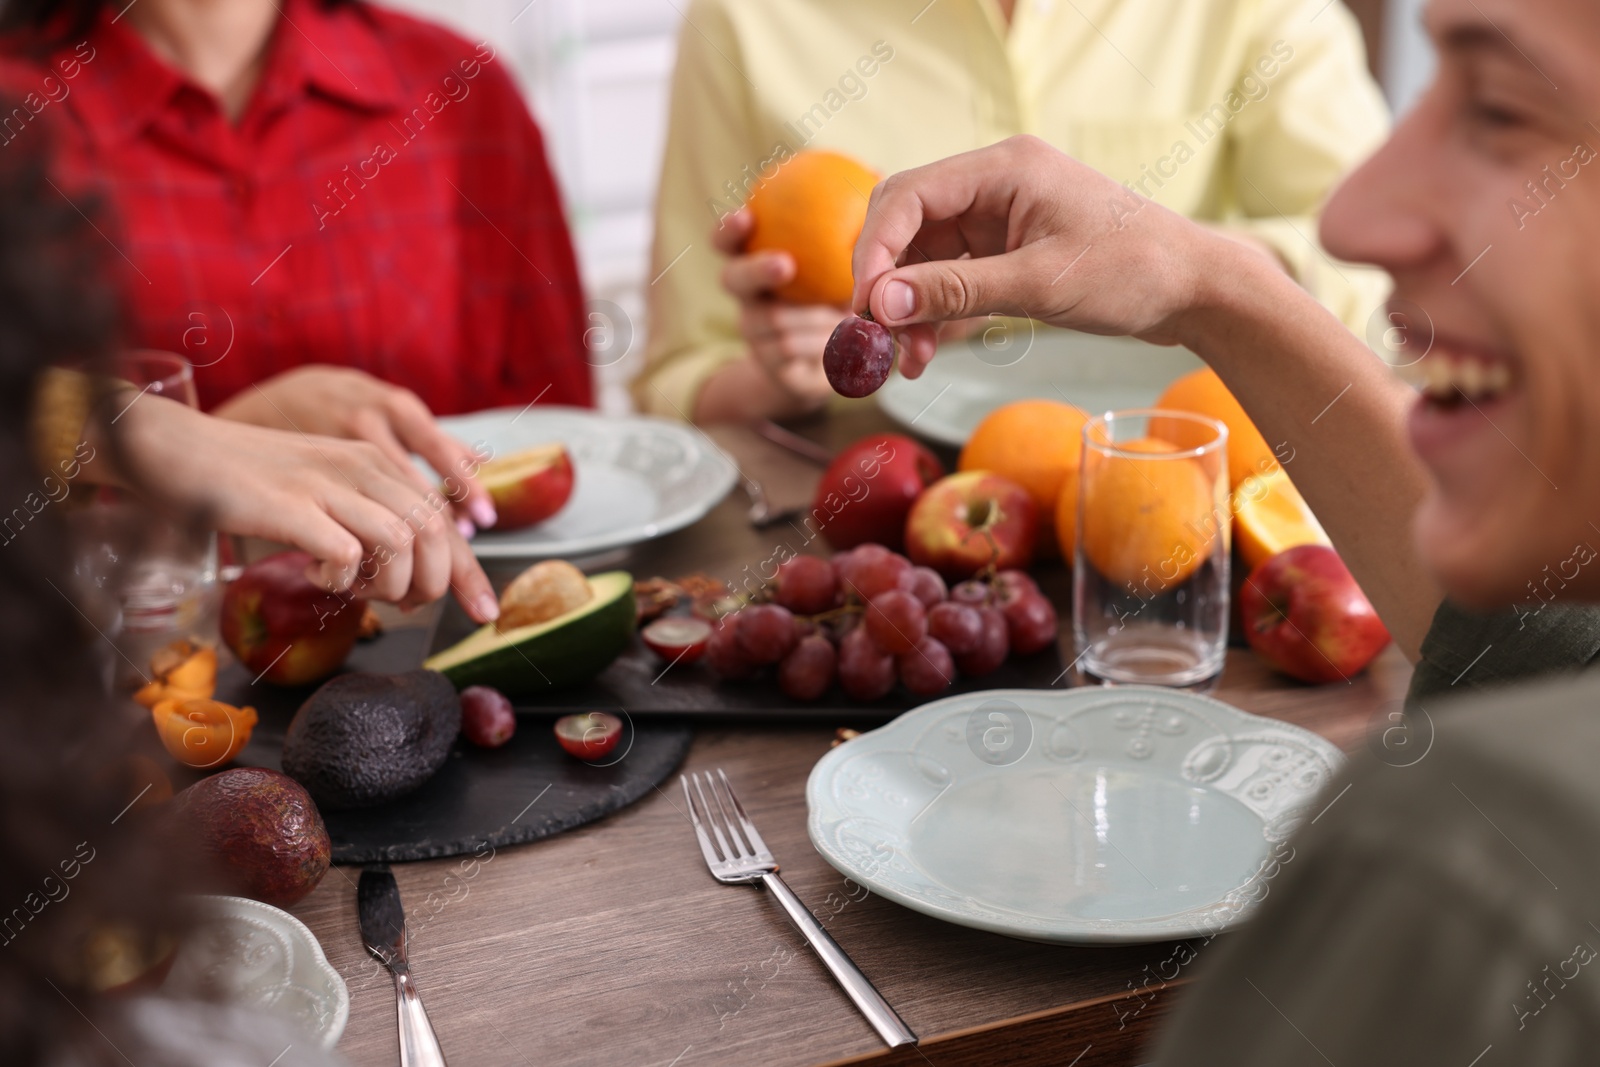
[899,300]
[465,528]
[488,607]
[482,512]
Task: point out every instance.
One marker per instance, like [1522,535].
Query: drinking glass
[1150,563]
[152,579]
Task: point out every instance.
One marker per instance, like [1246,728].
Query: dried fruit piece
[654,597]
[203,732]
[183,670]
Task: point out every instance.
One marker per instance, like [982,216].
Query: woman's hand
[782,372]
[1046,237]
[786,340]
[348,503]
[341,402]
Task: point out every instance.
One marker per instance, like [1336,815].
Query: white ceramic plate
[1079,816]
[250,954]
[634,477]
[969,379]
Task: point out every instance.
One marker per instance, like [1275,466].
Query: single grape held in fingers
[858,356]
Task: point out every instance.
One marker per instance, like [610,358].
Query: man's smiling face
[1485,207]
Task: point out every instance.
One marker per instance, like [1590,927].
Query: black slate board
[643,685]
[526,790]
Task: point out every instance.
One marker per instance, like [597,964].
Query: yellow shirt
[1243,112]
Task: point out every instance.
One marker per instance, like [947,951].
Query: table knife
[383,931]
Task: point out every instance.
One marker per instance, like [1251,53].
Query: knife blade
[382,916]
[382,919]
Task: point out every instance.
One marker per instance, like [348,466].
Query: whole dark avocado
[366,739]
[260,831]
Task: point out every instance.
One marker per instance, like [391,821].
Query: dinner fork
[736,861]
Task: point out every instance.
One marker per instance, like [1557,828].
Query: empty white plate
[1081,816]
[634,477]
[1023,360]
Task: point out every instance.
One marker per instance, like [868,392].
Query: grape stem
[835,613]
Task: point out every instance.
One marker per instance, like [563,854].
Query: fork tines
[713,802]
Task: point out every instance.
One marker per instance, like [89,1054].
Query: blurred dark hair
[72,16]
[65,773]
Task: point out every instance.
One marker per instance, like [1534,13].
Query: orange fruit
[1066,512]
[1035,443]
[1270,516]
[1202,393]
[1152,522]
[813,208]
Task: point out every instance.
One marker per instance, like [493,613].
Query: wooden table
[611,945]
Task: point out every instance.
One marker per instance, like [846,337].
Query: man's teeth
[1443,378]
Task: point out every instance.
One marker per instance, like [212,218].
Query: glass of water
[1150,563]
[152,579]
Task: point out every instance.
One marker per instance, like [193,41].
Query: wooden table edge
[1039,1038]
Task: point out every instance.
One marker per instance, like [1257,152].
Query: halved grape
[677,638]
[589,736]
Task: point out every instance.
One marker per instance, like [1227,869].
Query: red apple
[868,489]
[283,626]
[528,486]
[1305,615]
[964,522]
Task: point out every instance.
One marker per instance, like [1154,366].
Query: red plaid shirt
[383,203]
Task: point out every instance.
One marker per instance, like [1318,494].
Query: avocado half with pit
[565,650]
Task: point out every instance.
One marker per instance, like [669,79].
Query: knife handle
[418,1045]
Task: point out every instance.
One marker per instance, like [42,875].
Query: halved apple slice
[528,486]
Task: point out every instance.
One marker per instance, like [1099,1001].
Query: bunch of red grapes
[869,618]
